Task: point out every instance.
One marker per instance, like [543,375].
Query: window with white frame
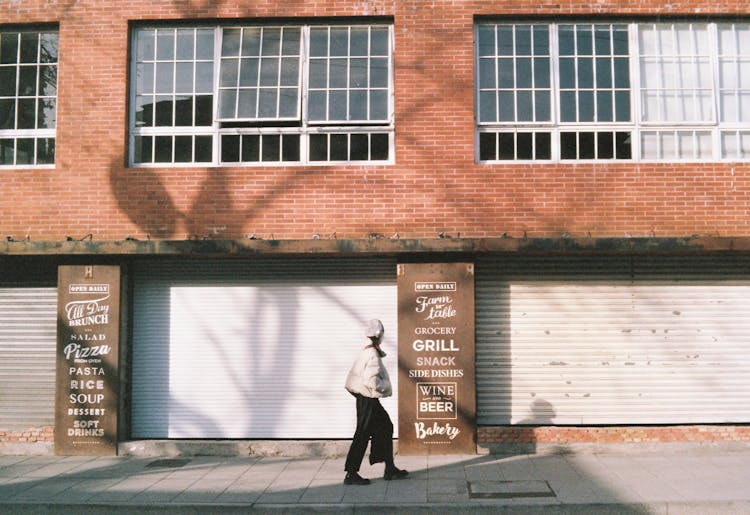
[28,97]
[613,91]
[262,94]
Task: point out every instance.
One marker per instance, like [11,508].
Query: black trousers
[373,423]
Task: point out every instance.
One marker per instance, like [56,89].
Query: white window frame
[263,128]
[36,134]
[670,133]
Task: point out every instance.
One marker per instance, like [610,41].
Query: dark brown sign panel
[436,389]
[88,308]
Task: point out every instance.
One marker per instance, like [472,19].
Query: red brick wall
[434,185]
[31,435]
[612,435]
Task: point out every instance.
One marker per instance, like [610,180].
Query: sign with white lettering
[436,391]
[87,350]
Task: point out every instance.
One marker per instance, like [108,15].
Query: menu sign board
[436,389]
[87,350]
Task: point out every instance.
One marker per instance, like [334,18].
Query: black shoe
[395,473]
[352,478]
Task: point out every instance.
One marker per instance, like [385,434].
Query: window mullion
[215,125]
[635,89]
[713,41]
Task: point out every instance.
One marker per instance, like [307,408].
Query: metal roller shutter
[28,335]
[613,341]
[259,349]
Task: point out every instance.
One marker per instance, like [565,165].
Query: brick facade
[434,185]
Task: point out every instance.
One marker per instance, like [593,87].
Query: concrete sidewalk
[631,480]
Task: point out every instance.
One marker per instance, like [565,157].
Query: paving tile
[45,490]
[408,490]
[324,491]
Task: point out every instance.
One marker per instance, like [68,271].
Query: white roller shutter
[255,349]
[635,341]
[28,333]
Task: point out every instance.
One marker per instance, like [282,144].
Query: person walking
[368,381]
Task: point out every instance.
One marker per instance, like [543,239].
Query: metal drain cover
[509,489]
[168,463]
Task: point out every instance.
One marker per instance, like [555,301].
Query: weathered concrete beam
[378,246]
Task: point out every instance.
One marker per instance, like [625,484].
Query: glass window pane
[48,80]
[379,105]
[250,45]
[204,47]
[622,73]
[7,151]
[230,42]
[568,145]
[568,106]
[204,77]
[487,106]
[507,105]
[359,41]
[505,44]
[163,149]
[486,44]
[339,147]
[523,73]
[541,72]
[566,40]
[269,72]
[247,106]
[317,105]
[289,71]
[7,81]
[605,145]
[29,47]
[603,73]
[541,40]
[543,145]
[7,113]
[523,40]
[9,47]
[271,42]
[378,73]
[623,145]
[586,148]
[524,145]
[318,73]
[649,145]
[506,73]
[183,111]
[358,73]
[506,146]
[337,73]
[487,146]
[542,106]
[620,40]
[318,42]
[183,149]
[47,113]
[165,77]
[339,41]
[379,41]
[144,45]
[268,100]
[584,44]
[185,44]
[604,106]
[165,44]
[290,147]
[358,105]
[622,106]
[26,113]
[184,78]
[359,147]
[164,111]
[230,148]
[204,105]
[524,106]
[288,103]
[25,151]
[318,147]
[248,76]
[45,151]
[487,74]
[585,73]
[271,148]
[27,81]
[337,108]
[379,147]
[602,43]
[250,148]
[567,73]
[203,149]
[228,103]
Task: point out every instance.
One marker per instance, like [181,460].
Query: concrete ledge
[26,448]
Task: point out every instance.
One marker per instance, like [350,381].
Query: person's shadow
[541,413]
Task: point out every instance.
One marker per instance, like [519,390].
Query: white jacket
[368,375]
